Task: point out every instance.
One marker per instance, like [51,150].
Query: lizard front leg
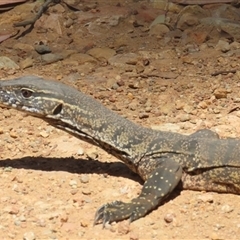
[157,187]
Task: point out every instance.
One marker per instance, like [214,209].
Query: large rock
[226,26]
[190,16]
[7,63]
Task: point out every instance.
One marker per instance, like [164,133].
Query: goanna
[200,161]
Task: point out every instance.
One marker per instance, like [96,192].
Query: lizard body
[200,161]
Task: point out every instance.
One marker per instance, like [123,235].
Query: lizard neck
[93,123]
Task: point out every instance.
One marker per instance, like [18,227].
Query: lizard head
[32,95]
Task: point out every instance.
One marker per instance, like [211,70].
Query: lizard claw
[101,216]
[109,212]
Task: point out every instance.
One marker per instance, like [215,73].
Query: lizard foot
[117,211]
[158,186]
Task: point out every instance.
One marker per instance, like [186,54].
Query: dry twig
[223,72]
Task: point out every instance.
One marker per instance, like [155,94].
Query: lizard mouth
[13,103]
[7,99]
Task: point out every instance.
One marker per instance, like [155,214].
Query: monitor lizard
[200,161]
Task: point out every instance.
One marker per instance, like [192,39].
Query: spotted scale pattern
[156,188]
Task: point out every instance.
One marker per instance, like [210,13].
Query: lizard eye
[26,93]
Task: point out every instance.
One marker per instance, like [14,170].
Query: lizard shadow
[79,166]
[72,165]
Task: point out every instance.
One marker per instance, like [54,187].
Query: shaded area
[80,166]
[72,165]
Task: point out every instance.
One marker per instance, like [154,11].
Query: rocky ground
[180,76]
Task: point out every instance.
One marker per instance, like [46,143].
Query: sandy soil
[52,184]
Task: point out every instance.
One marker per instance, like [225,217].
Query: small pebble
[169,217]
[206,198]
[220,93]
[17,222]
[179,104]
[22,219]
[13,134]
[143,115]
[8,169]
[29,236]
[80,152]
[226,208]
[92,154]
[124,227]
[41,223]
[84,223]
[11,210]
[68,23]
[44,134]
[133,85]
[72,183]
[74,191]
[203,105]
[42,49]
[86,192]
[148,109]
[215,236]
[84,178]
[184,117]
[132,106]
